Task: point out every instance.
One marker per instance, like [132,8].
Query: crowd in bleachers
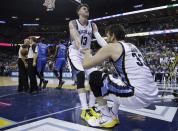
[152,26]
[159,53]
[159,56]
[8,58]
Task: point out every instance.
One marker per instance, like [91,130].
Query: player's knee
[95,79]
[96,82]
[80,79]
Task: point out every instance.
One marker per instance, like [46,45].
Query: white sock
[83,100]
[92,99]
[115,108]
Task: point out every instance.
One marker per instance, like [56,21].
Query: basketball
[24,51]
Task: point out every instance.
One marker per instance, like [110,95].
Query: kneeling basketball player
[133,86]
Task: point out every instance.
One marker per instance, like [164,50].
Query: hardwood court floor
[55,110]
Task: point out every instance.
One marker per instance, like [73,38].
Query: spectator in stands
[2,68]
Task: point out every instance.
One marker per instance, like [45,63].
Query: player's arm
[74,34]
[98,58]
[98,37]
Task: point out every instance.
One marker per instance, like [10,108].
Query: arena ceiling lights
[77,1]
[138,6]
[2,22]
[30,24]
[135,12]
[37,37]
[158,32]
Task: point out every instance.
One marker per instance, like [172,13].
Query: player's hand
[82,50]
[34,64]
[85,51]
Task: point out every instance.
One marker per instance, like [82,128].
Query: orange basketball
[24,51]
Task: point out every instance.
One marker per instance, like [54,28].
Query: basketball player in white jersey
[133,86]
[81,31]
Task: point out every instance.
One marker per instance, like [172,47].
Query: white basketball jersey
[134,71]
[75,56]
[85,33]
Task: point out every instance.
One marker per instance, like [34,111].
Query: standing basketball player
[61,57]
[81,31]
[133,86]
[42,51]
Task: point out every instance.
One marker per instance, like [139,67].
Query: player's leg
[76,64]
[45,82]
[107,119]
[57,67]
[120,94]
[73,73]
[39,71]
[92,99]
[63,63]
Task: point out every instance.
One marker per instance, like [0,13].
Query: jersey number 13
[84,40]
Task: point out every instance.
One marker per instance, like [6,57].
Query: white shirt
[30,52]
[20,56]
